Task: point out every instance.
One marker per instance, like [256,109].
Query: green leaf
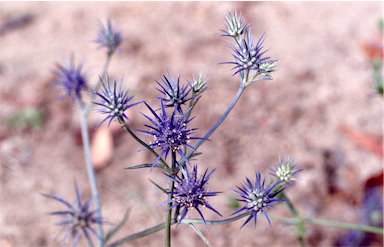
[142,166]
[117,228]
[158,186]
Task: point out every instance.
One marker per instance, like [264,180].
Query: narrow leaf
[201,235]
[117,228]
[158,186]
[142,166]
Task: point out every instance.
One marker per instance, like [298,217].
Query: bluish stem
[90,171]
[209,133]
[88,107]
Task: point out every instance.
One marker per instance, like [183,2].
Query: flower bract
[191,193]
[257,198]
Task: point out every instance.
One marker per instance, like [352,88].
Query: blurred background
[320,109]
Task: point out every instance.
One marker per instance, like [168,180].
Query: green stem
[292,221]
[297,220]
[90,170]
[141,234]
[169,212]
[217,124]
[121,121]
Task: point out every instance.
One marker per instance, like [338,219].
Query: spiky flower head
[174,95]
[285,171]
[78,218]
[248,57]
[198,85]
[235,26]
[113,102]
[71,80]
[258,198]
[170,132]
[108,37]
[191,193]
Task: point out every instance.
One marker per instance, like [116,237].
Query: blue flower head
[170,132]
[71,80]
[235,26]
[191,193]
[247,56]
[173,94]
[285,171]
[109,37]
[78,218]
[113,102]
[258,198]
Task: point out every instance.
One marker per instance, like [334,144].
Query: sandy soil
[321,90]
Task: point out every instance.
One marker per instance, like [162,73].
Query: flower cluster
[198,85]
[78,217]
[248,58]
[235,26]
[174,95]
[191,193]
[258,197]
[114,102]
[71,79]
[170,132]
[109,37]
[284,172]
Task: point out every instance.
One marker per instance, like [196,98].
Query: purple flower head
[109,37]
[174,95]
[170,132]
[235,26]
[114,102]
[191,193]
[247,56]
[71,79]
[284,172]
[78,218]
[257,198]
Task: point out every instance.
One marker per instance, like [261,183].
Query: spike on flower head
[258,198]
[174,95]
[191,193]
[78,218]
[71,79]
[285,171]
[170,132]
[109,37]
[113,102]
